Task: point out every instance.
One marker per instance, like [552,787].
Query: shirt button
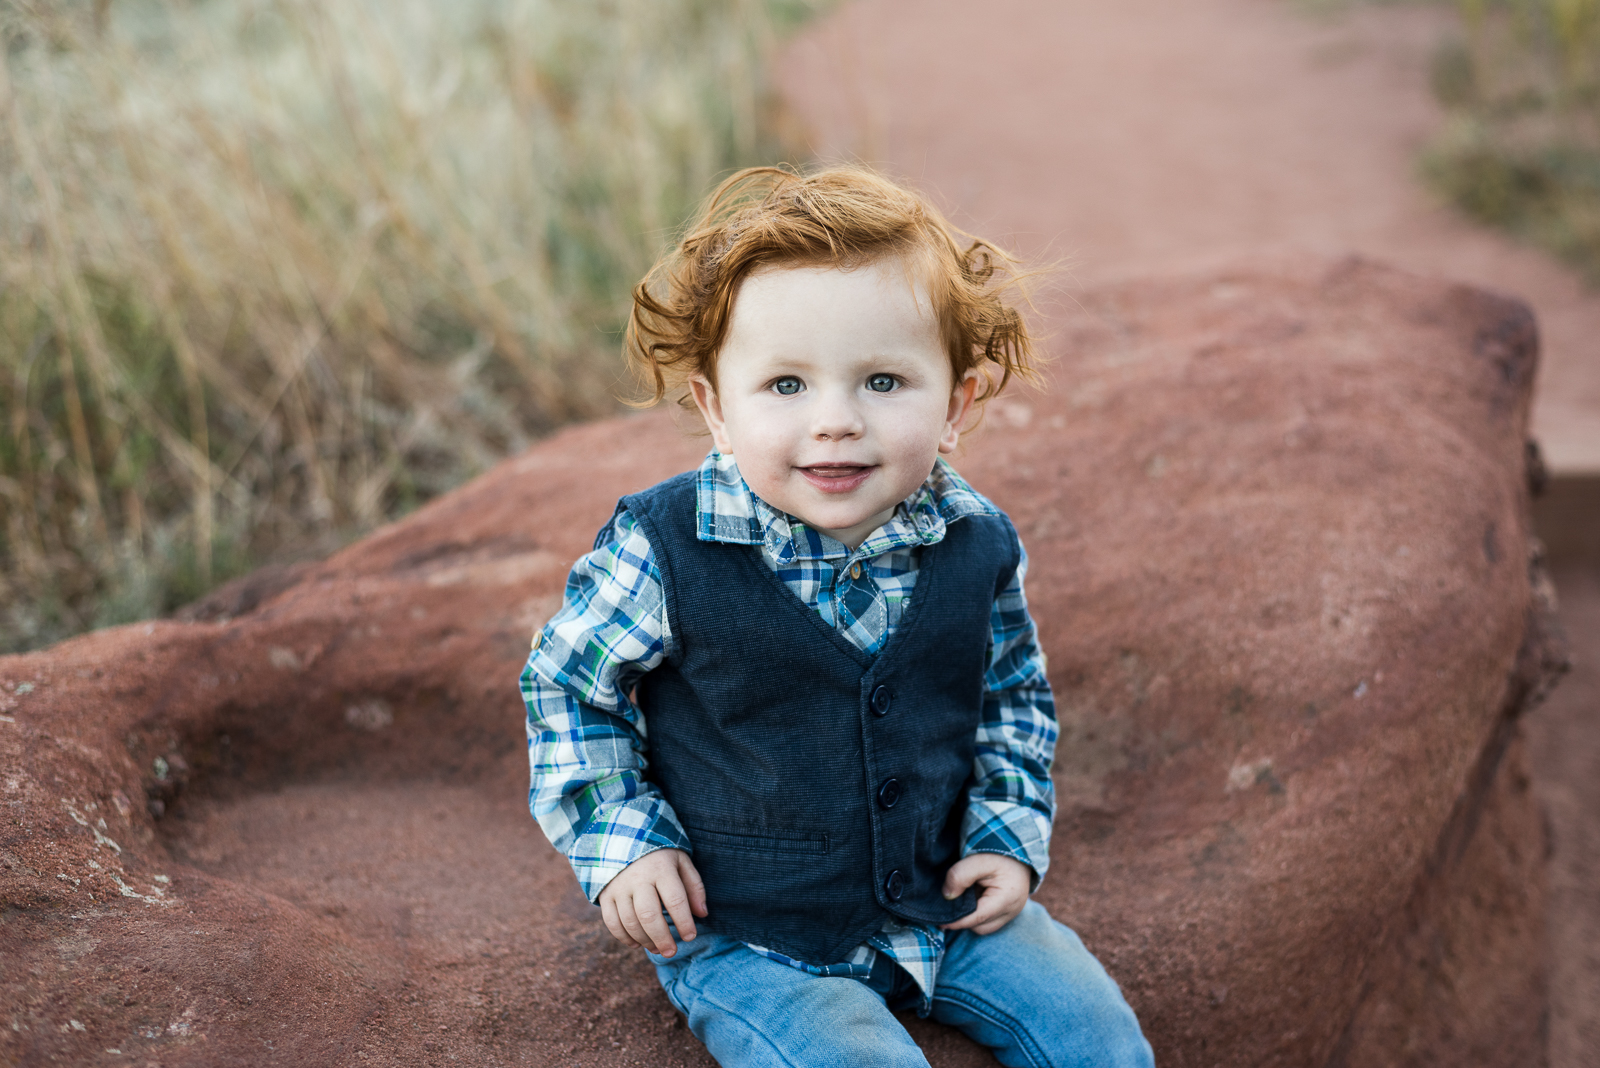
[894,886]
[881,699]
[855,571]
[889,793]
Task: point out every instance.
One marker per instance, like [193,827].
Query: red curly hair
[839,217]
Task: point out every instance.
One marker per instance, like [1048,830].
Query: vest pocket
[762,842]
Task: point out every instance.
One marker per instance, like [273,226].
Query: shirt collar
[727,511]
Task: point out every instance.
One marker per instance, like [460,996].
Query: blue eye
[788,386]
[880,383]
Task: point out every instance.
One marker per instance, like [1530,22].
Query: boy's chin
[846,525]
[833,513]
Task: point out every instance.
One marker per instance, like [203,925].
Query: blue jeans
[1030,992]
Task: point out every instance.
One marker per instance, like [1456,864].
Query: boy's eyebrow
[781,363]
[892,361]
[908,355]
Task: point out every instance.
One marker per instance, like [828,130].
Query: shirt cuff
[620,834]
[1012,830]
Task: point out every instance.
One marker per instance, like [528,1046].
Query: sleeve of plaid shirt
[585,737]
[1011,803]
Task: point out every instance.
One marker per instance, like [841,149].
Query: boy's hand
[1005,890]
[631,903]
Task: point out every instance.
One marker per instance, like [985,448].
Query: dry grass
[274,271]
[1521,148]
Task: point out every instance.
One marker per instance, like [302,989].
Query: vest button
[889,793]
[881,699]
[894,885]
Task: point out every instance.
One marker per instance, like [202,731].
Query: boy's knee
[821,1021]
[752,1011]
[1039,997]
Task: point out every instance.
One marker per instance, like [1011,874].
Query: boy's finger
[991,923]
[1005,916]
[657,935]
[694,885]
[982,914]
[608,913]
[629,917]
[675,899]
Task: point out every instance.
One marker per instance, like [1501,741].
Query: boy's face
[834,393]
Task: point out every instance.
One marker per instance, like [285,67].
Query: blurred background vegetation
[275,271]
[1521,146]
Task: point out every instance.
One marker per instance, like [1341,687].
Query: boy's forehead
[788,312]
[778,286]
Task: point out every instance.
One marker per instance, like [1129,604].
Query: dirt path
[1137,136]
[1143,135]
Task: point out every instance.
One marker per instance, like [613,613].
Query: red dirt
[1278,522]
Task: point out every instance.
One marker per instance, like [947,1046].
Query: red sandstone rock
[1278,525]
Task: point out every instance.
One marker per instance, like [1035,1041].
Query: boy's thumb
[956,879]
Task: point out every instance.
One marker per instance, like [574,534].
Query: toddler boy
[791,725]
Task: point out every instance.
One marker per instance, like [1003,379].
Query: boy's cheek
[762,430]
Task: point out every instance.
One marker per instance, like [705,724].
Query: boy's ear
[961,411]
[710,405]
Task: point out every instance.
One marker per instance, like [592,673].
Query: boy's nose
[835,419]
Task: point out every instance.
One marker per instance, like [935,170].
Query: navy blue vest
[822,789]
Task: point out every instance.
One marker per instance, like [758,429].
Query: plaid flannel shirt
[590,789]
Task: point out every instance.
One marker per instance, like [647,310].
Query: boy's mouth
[837,478]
